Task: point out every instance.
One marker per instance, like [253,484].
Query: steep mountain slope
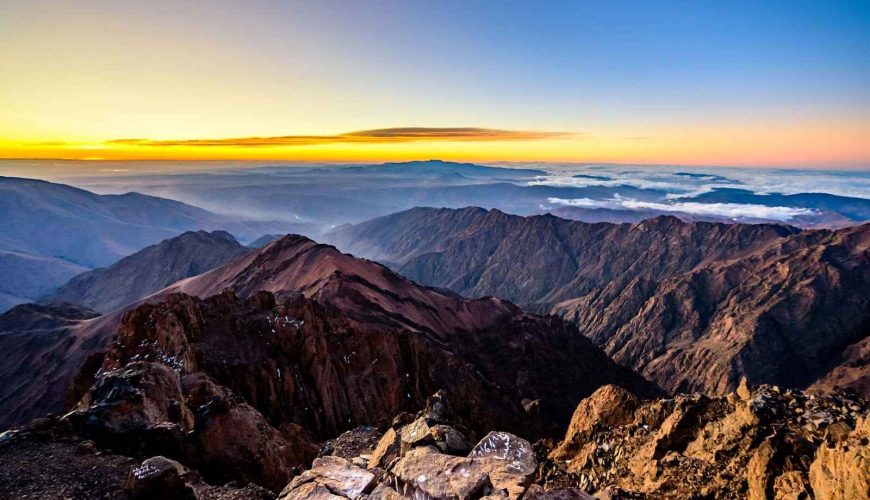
[692,305]
[784,315]
[38,348]
[539,261]
[27,277]
[149,270]
[52,232]
[342,324]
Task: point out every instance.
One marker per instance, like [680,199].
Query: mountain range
[692,306]
[198,362]
[51,232]
[361,313]
[328,196]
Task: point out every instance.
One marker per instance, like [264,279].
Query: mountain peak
[149,270]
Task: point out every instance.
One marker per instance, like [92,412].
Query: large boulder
[139,395]
[425,473]
[158,478]
[138,409]
[610,405]
[387,449]
[233,440]
[509,460]
[500,465]
[330,477]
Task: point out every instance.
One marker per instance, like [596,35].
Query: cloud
[689,182]
[727,210]
[380,136]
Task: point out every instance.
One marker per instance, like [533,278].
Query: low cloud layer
[727,210]
[379,136]
[680,182]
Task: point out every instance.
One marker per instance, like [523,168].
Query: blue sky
[784,74]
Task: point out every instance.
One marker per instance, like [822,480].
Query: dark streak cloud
[380,136]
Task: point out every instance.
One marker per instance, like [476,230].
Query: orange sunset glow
[106,80]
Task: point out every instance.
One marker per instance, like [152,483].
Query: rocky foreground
[761,443]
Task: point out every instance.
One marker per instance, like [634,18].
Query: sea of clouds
[680,184]
[688,182]
[727,210]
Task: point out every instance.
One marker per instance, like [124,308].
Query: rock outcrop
[420,464]
[840,470]
[762,443]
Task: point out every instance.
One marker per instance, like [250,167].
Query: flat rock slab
[331,475]
[425,473]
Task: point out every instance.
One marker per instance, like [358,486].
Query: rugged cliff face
[786,314]
[693,306]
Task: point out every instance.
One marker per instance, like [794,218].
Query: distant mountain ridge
[25,277]
[52,232]
[693,306]
[149,270]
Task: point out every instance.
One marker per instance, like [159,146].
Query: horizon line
[477,162]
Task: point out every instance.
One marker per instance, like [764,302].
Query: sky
[773,84]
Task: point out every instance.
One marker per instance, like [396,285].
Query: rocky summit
[757,443]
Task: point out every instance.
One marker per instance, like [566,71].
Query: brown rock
[743,390]
[536,492]
[792,485]
[137,396]
[608,406]
[354,443]
[384,492]
[387,449]
[727,447]
[235,441]
[425,472]
[841,472]
[510,461]
[417,433]
[450,440]
[310,491]
[759,474]
[159,478]
[329,475]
